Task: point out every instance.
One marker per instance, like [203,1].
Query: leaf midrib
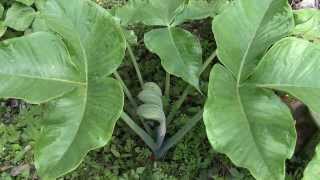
[176,48]
[46,79]
[283,85]
[85,93]
[238,85]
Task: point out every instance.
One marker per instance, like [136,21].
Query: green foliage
[152,108]
[19,17]
[68,50]
[243,116]
[307,24]
[86,102]
[180,51]
[26,2]
[52,77]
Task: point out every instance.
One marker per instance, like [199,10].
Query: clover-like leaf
[19,16]
[249,124]
[179,50]
[84,118]
[312,171]
[307,24]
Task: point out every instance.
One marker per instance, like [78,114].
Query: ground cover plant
[65,59]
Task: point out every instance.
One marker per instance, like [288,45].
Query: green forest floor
[126,157]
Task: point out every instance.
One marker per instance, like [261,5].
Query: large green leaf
[3,28]
[179,50]
[307,24]
[167,12]
[199,9]
[312,171]
[36,68]
[1,11]
[79,122]
[19,16]
[86,27]
[26,2]
[250,125]
[84,119]
[293,66]
[150,12]
[245,30]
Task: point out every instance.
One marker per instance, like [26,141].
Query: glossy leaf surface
[179,50]
[199,9]
[307,24]
[36,63]
[19,17]
[167,12]
[250,125]
[86,28]
[292,66]
[84,119]
[150,12]
[81,121]
[1,11]
[3,28]
[26,2]
[246,29]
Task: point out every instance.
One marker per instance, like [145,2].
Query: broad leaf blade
[245,30]
[150,12]
[26,2]
[1,11]
[19,17]
[252,126]
[293,66]
[3,28]
[307,24]
[199,9]
[179,50]
[312,171]
[97,46]
[36,68]
[86,28]
[79,122]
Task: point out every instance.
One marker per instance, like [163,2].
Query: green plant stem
[136,66]
[208,61]
[179,135]
[126,90]
[167,86]
[176,106]
[131,99]
[139,131]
